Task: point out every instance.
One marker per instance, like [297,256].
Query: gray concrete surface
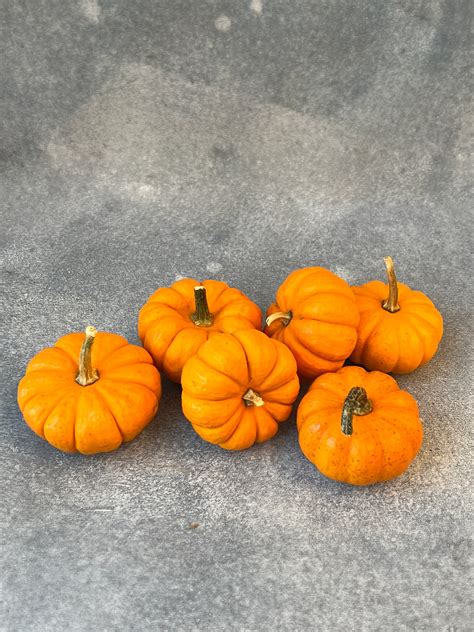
[145,140]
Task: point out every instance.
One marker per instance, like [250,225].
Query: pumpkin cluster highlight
[93,391]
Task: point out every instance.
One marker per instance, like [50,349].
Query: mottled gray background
[147,140]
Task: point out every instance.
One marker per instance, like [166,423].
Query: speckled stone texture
[147,140]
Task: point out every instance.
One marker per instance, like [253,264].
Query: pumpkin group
[176,321]
[399,328]
[238,388]
[358,427]
[89,392]
[316,316]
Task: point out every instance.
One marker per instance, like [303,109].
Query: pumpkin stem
[251,398]
[391,303]
[356,403]
[285,318]
[202,316]
[87,374]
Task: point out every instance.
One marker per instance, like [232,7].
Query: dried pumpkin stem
[356,403]
[251,398]
[202,316]
[391,303]
[284,316]
[87,374]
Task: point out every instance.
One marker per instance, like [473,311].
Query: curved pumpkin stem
[202,316]
[391,303]
[284,316]
[87,374]
[251,398]
[356,403]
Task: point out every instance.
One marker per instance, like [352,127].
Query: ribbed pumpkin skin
[323,330]
[94,418]
[217,377]
[171,337]
[383,443]
[398,342]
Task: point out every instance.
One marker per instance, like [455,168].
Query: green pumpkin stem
[356,403]
[202,316]
[391,303]
[87,374]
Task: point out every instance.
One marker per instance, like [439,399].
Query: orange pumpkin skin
[228,369]
[166,328]
[322,331]
[383,442]
[397,342]
[94,418]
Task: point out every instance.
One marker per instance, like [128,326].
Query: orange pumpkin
[316,316]
[176,321]
[399,328]
[238,388]
[359,427]
[90,392]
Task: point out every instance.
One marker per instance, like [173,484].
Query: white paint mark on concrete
[91,10]
[179,277]
[256,6]
[223,23]
[140,190]
[214,267]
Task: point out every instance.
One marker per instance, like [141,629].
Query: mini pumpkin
[90,392]
[238,388]
[399,330]
[176,321]
[358,427]
[316,316]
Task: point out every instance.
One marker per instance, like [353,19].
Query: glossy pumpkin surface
[316,316]
[100,416]
[238,388]
[398,338]
[358,427]
[176,321]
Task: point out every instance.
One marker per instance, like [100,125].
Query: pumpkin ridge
[105,403]
[76,359]
[218,296]
[324,322]
[74,424]
[378,439]
[184,294]
[250,380]
[384,461]
[277,359]
[237,413]
[275,388]
[219,317]
[327,410]
[32,369]
[230,377]
[56,403]
[120,381]
[305,367]
[377,322]
[163,360]
[146,344]
[405,425]
[319,352]
[243,416]
[48,391]
[323,436]
[425,320]
[366,346]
